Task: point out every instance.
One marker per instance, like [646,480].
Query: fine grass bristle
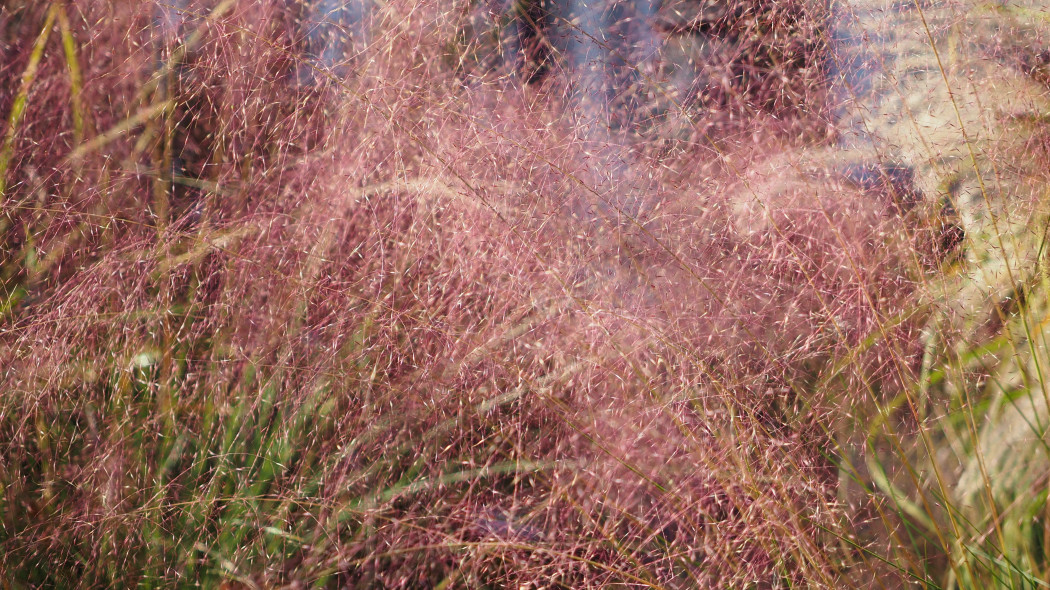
[532,294]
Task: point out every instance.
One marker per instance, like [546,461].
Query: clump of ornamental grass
[399,322]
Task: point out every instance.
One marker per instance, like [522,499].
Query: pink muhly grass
[396,330]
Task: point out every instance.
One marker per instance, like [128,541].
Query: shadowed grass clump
[432,315]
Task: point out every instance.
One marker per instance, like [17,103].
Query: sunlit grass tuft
[422,318]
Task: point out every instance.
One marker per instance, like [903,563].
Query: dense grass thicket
[422,301]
